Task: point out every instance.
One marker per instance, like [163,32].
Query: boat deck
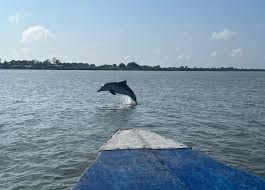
[162,168]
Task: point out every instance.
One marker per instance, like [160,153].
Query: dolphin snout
[102,88]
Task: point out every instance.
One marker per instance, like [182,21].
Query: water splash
[126,103]
[123,103]
[126,100]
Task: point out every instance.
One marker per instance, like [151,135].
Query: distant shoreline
[56,64]
[245,70]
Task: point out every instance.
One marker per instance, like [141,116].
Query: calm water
[53,122]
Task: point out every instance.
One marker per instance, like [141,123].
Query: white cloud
[224,34]
[183,58]
[128,58]
[14,19]
[139,59]
[236,52]
[36,33]
[214,53]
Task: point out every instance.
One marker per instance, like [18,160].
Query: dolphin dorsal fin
[124,82]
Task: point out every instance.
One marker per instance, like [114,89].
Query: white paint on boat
[139,139]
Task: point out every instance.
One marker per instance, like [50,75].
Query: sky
[207,33]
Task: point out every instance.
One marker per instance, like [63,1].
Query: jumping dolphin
[119,88]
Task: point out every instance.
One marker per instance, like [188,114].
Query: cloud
[36,33]
[183,58]
[14,19]
[236,52]
[139,59]
[214,53]
[224,34]
[128,59]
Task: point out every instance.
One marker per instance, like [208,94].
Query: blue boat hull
[150,169]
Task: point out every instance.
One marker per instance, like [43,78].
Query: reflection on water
[53,122]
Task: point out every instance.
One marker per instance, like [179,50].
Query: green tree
[133,65]
[122,66]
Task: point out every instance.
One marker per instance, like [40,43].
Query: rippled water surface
[53,122]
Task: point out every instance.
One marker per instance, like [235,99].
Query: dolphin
[119,88]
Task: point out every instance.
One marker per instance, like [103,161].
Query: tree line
[56,64]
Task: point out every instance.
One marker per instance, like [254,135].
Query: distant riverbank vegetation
[56,64]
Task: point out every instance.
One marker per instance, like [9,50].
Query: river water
[53,122]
